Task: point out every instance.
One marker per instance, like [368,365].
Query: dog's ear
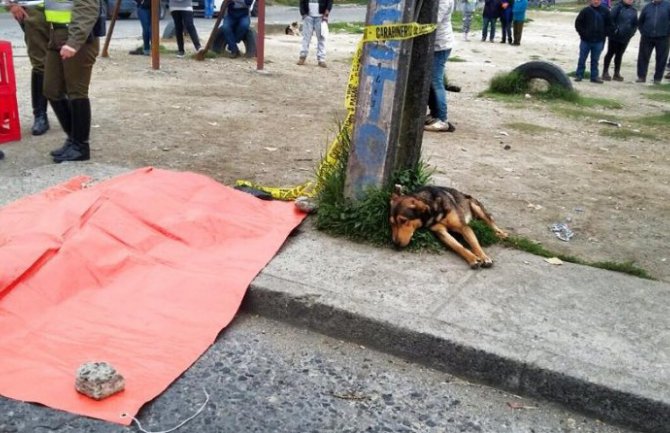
[398,189]
[418,205]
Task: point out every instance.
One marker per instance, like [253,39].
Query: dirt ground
[222,118]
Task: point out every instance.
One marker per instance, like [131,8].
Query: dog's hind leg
[442,233]
[480,212]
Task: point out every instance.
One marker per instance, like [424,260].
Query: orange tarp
[142,271]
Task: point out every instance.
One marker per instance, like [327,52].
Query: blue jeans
[586,48]
[235,27]
[144,16]
[485,25]
[437,98]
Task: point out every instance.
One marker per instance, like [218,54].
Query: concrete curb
[464,360]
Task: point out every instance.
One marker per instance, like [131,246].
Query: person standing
[654,24]
[506,20]
[489,16]
[144,15]
[314,16]
[469,7]
[624,23]
[518,18]
[73,47]
[593,24]
[36,35]
[437,99]
[182,15]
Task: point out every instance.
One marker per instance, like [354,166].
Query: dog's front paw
[487,263]
[475,264]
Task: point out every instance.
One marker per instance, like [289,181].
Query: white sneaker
[439,126]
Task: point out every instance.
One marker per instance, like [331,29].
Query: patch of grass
[588,101]
[625,267]
[524,244]
[661,120]
[529,128]
[625,134]
[660,97]
[571,112]
[514,83]
[456,59]
[511,83]
[663,87]
[356,27]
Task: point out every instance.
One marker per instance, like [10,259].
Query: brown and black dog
[441,210]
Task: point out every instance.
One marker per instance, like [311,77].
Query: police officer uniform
[36,36]
[73,47]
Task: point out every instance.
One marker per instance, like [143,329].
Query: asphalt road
[265,376]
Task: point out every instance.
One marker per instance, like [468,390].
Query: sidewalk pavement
[594,340]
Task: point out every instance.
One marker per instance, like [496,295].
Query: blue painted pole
[388,111]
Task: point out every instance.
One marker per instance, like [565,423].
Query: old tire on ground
[544,71]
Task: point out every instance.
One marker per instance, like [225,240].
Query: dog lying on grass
[441,210]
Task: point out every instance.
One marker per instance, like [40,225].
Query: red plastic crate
[10,128]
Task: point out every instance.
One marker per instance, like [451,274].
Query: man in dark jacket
[624,22]
[490,14]
[593,25]
[654,23]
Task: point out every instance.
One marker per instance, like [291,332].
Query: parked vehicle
[129,8]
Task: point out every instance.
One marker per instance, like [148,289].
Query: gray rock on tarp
[98,380]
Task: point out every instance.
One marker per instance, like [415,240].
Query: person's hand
[67,52]
[18,12]
[324,17]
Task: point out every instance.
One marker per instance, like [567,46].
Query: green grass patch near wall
[356,27]
[456,59]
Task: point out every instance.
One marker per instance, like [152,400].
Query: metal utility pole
[392,95]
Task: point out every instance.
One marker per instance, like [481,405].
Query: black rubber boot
[78,150]
[41,124]
[64,115]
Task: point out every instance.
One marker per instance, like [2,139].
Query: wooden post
[200,55]
[416,96]
[391,101]
[115,16]
[155,30]
[260,36]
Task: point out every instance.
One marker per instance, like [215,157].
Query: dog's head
[293,29]
[405,217]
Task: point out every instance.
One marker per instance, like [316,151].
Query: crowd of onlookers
[599,22]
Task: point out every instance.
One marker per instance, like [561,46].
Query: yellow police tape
[385,32]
